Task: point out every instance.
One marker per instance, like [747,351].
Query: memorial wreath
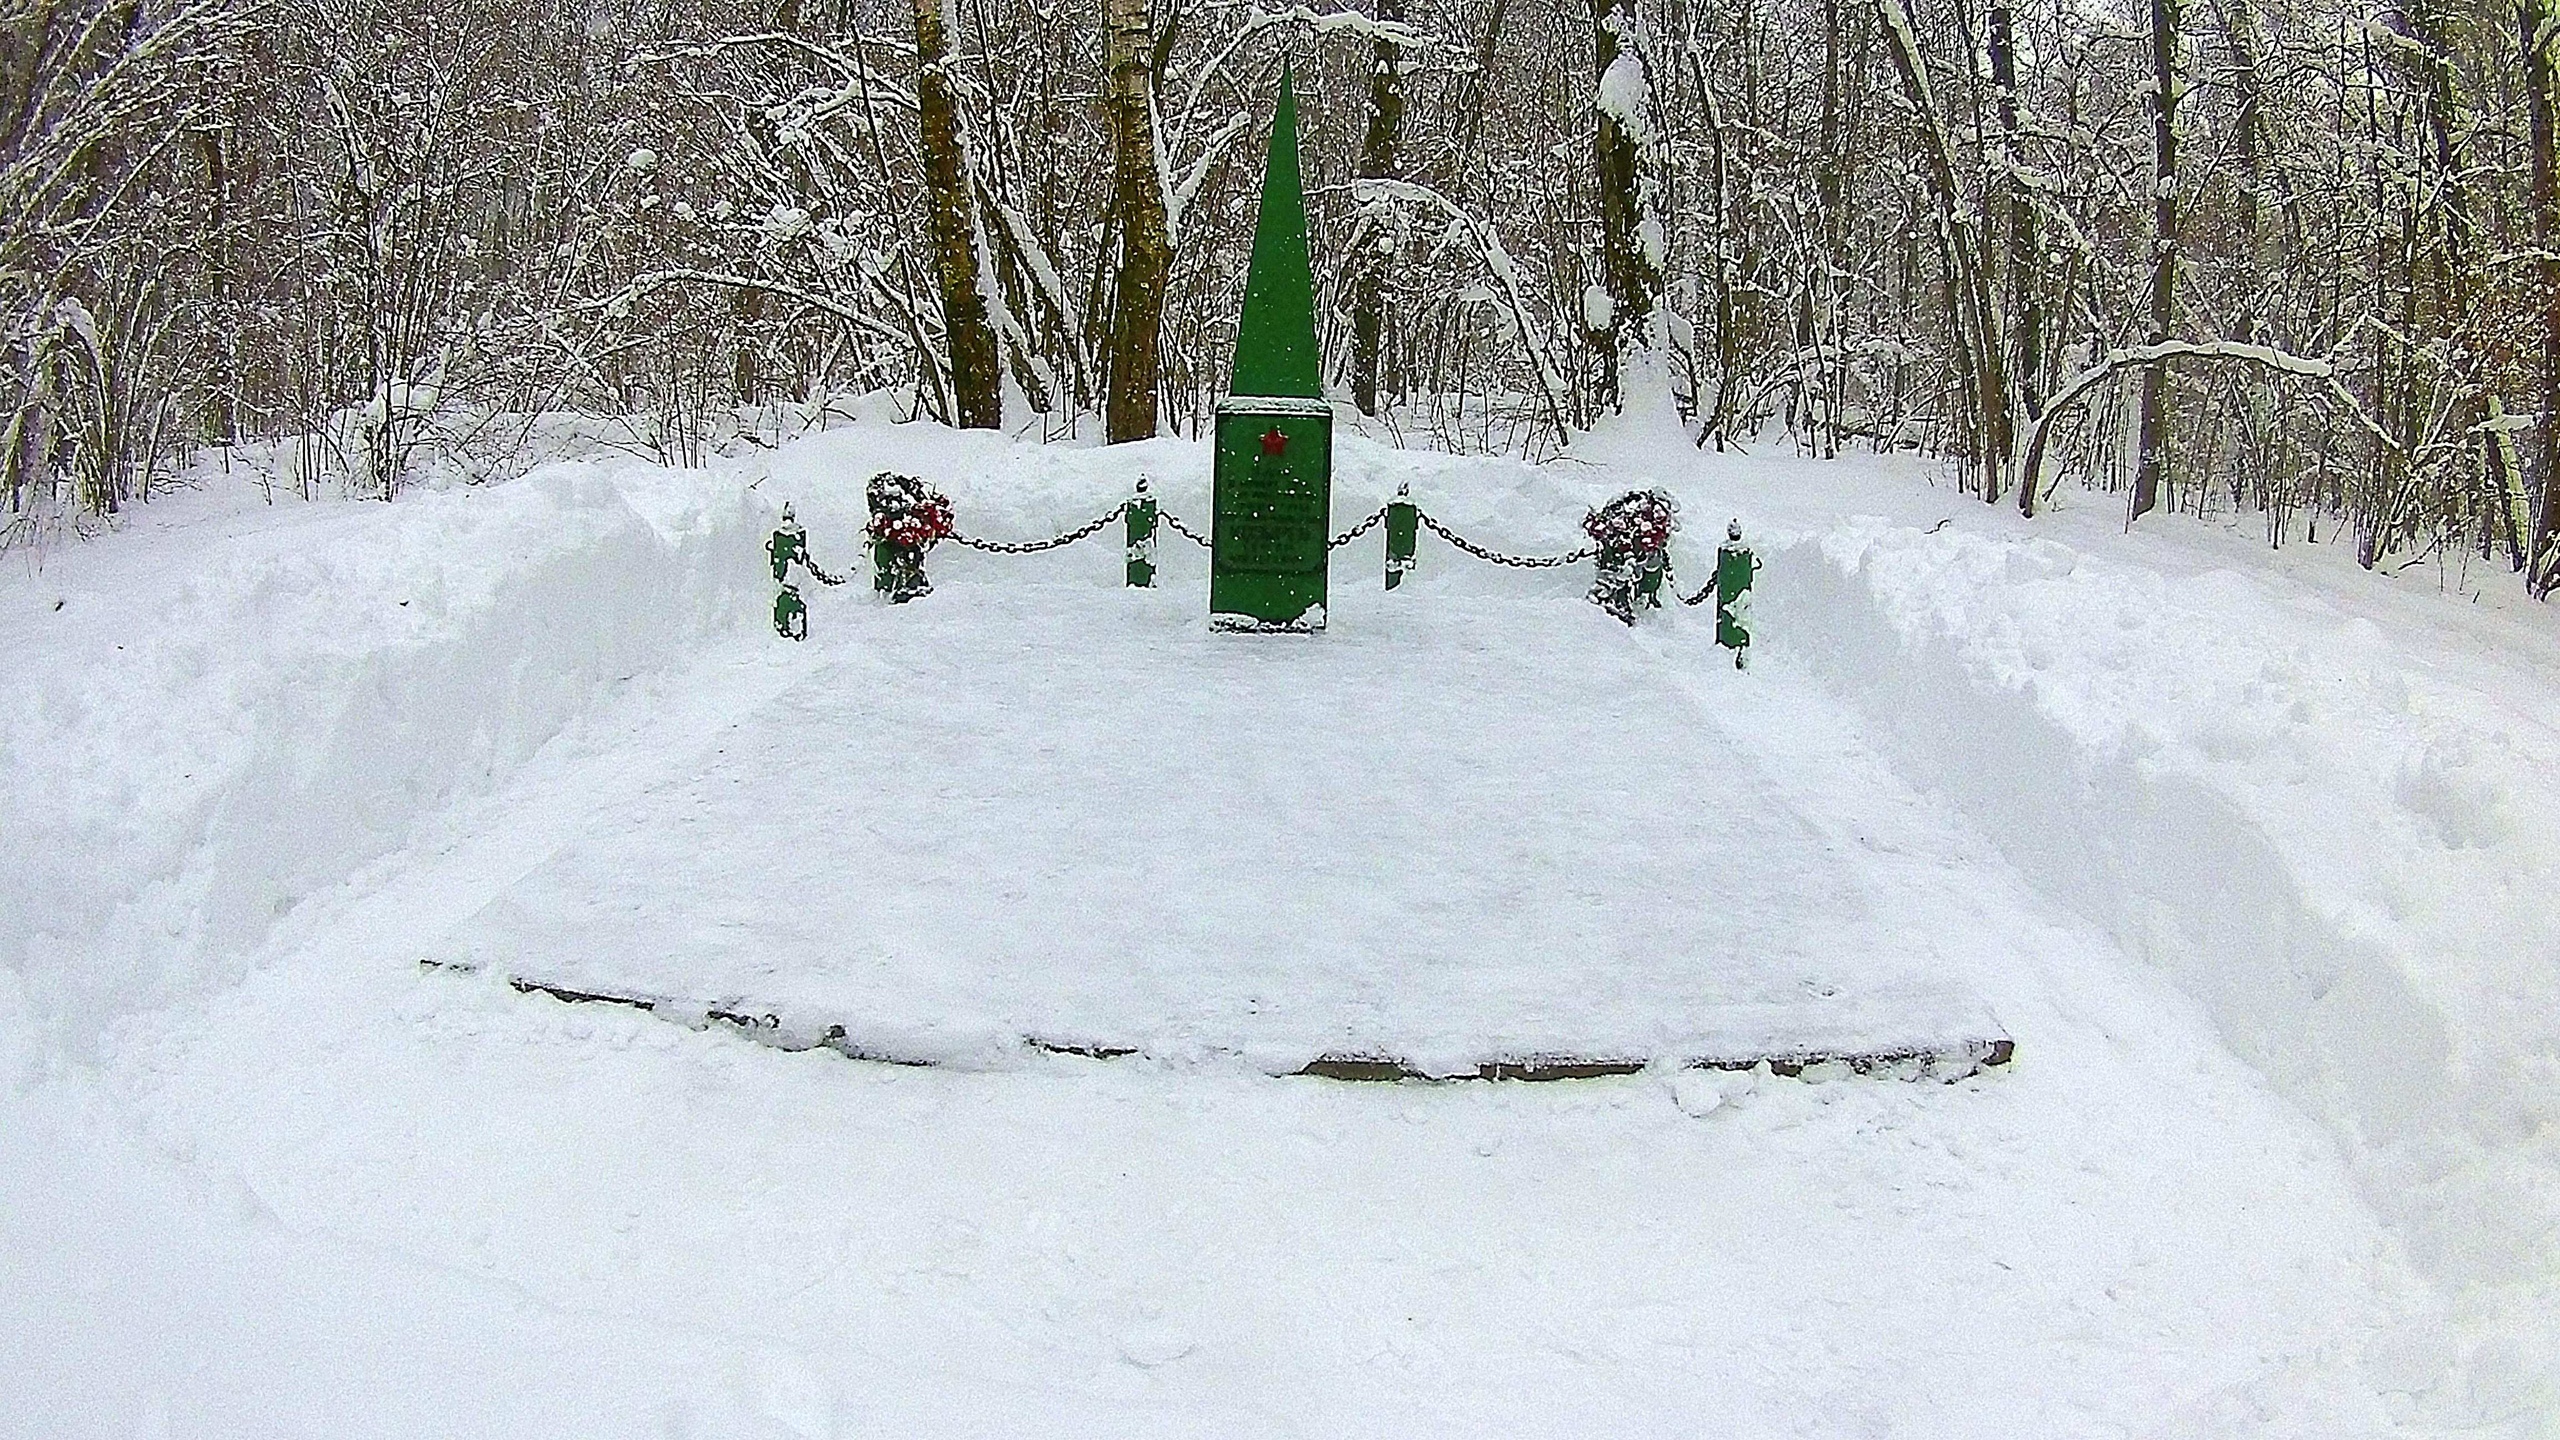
[1633,533]
[907,517]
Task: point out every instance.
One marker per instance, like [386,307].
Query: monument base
[1272,493]
[1309,623]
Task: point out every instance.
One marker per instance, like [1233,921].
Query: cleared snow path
[1451,832]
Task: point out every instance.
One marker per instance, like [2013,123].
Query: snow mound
[2337,837]
[230,714]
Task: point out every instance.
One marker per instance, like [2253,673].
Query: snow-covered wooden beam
[1986,1047]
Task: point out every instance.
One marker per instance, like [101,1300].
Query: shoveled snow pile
[2328,804]
[231,708]
[2251,853]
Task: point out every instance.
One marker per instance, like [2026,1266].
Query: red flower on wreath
[1639,522]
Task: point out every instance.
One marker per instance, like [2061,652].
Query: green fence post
[790,543]
[1400,530]
[897,571]
[1649,579]
[1735,565]
[1142,538]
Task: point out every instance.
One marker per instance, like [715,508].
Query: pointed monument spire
[1276,339]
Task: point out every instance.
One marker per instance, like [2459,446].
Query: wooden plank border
[1955,1060]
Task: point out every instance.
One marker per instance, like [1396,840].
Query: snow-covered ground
[2250,853]
[1066,811]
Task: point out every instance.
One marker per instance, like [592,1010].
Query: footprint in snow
[1155,1345]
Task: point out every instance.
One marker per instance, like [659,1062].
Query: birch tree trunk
[977,397]
[1135,363]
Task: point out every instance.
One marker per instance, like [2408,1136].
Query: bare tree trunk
[2240,32]
[1631,228]
[975,385]
[1478,85]
[1377,162]
[2536,24]
[2239,19]
[2025,310]
[217,262]
[2151,465]
[1973,316]
[2448,117]
[1135,363]
[1715,418]
[743,380]
[1831,190]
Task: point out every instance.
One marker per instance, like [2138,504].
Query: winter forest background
[2293,259]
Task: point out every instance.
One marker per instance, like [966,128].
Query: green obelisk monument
[1274,466]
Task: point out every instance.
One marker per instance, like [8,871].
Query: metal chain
[1671,582]
[801,557]
[1034,547]
[1517,562]
[1185,531]
[1376,517]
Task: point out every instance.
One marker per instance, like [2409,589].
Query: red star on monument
[1273,442]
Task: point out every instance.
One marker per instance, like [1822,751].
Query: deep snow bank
[2339,837]
[209,720]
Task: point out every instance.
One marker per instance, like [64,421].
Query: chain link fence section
[1034,547]
[1671,582]
[1517,562]
[1376,518]
[1174,522]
